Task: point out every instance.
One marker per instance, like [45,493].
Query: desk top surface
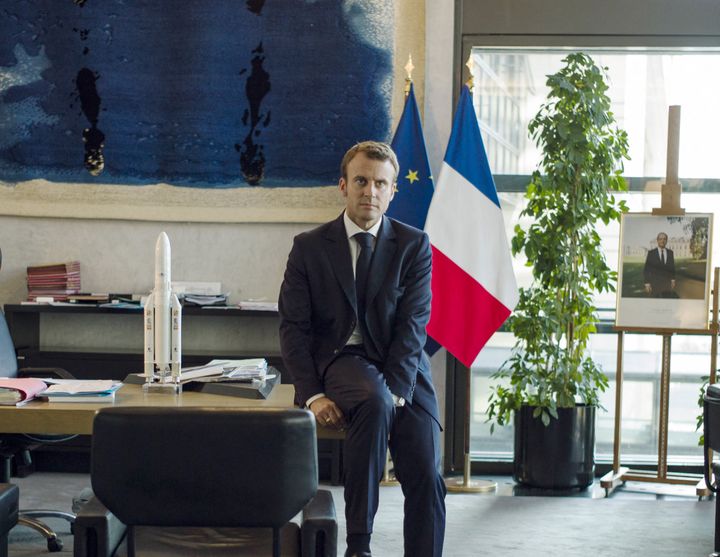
[67,417]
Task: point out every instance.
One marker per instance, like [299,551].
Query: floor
[638,519]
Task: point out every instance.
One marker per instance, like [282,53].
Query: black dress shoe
[349,553]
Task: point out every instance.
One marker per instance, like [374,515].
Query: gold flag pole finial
[408,70]
[469,65]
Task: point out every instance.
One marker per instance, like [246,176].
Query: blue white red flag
[473,284]
[414,185]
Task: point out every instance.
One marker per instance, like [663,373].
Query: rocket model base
[157,387]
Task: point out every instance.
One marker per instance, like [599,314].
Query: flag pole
[467,485]
[389,479]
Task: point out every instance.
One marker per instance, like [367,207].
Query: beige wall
[118,256]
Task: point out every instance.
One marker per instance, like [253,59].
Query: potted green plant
[550,385]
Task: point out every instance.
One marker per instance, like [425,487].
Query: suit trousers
[357,386]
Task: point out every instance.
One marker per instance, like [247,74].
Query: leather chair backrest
[8,359]
[711,417]
[204,466]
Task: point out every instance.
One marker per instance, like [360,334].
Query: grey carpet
[478,524]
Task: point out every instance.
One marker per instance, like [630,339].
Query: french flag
[473,284]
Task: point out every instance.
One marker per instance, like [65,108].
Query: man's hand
[648,288]
[327,413]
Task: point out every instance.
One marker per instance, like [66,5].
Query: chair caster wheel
[54,545]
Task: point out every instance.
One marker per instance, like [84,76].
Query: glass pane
[510,88]
[640,398]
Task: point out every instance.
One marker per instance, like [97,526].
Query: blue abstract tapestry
[220,93]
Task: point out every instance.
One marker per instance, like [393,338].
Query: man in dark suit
[354,304]
[659,271]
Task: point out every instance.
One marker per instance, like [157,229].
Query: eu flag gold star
[412,176]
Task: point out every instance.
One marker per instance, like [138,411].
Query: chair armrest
[714,473]
[319,526]
[41,372]
[9,497]
[708,467]
[97,532]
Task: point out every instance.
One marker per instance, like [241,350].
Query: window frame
[495,24]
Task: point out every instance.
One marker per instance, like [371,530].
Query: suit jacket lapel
[385,248]
[339,254]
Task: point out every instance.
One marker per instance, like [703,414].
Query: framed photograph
[664,271]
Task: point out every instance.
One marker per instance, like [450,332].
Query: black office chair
[711,435]
[218,481]
[9,496]
[18,447]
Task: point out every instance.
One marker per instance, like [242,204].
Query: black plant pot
[559,456]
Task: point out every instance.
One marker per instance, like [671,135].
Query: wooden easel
[620,474]
[670,205]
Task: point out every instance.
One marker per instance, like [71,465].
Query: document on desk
[17,391]
[226,370]
[258,305]
[257,389]
[252,387]
[71,390]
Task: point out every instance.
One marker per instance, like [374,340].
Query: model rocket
[163,320]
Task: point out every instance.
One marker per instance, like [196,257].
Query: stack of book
[88,298]
[53,282]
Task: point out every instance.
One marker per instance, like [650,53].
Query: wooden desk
[65,417]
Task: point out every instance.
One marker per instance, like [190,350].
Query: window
[509,87]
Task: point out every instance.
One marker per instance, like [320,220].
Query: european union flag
[414,183]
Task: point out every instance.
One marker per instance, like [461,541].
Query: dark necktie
[662,256]
[365,241]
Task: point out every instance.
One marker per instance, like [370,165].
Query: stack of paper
[16,391]
[204,299]
[78,390]
[226,370]
[258,305]
[250,366]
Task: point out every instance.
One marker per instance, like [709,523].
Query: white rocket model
[163,321]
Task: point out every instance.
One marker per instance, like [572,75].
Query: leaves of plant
[582,163]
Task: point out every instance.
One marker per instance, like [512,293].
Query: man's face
[661,240]
[368,189]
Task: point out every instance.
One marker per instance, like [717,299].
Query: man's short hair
[662,234]
[376,150]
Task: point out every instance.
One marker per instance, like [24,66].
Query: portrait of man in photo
[659,271]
